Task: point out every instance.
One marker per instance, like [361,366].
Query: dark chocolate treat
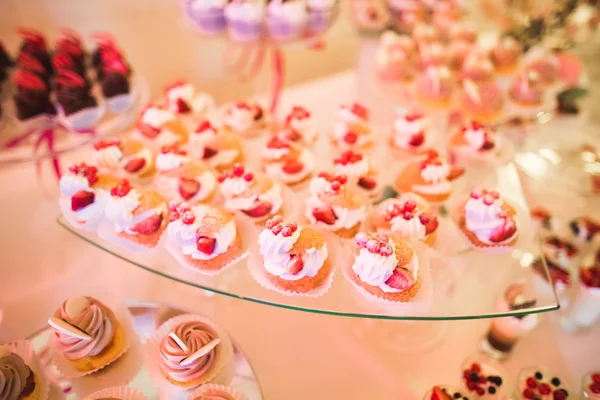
[33,97]
[114,83]
[73,50]
[62,61]
[73,93]
[34,44]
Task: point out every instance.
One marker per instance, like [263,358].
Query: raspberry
[248,176]
[188,218]
[361,239]
[545,389]
[335,186]
[238,170]
[407,215]
[373,246]
[528,394]
[410,205]
[531,383]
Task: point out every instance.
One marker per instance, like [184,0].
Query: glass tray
[146,317]
[465,285]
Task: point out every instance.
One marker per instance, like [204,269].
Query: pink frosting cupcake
[527,89]
[477,67]
[506,54]
[436,86]
[482,101]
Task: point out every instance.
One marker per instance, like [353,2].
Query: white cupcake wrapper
[205,388]
[525,229]
[90,225]
[222,373]
[106,231]
[259,273]
[245,229]
[120,103]
[25,350]
[83,119]
[119,392]
[420,304]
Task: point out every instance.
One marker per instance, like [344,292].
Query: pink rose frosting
[13,375]
[195,335]
[95,321]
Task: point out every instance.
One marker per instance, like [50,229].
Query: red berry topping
[531,383]
[33,36]
[432,225]
[135,164]
[29,63]
[348,157]
[360,111]
[504,232]
[292,167]
[410,205]
[88,171]
[342,179]
[259,210]
[238,170]
[148,130]
[188,188]
[276,143]
[367,183]
[70,78]
[324,175]
[209,152]
[417,140]
[28,80]
[476,193]
[221,178]
[274,221]
[297,112]
[62,61]
[122,189]
[325,215]
[559,395]
[545,389]
[182,106]
[488,200]
[401,279]
[424,219]
[149,225]
[335,186]
[102,144]
[82,199]
[289,134]
[413,117]
[173,148]
[294,265]
[595,387]
[480,391]
[173,206]
[455,172]
[206,245]
[407,215]
[248,176]
[204,126]
[596,378]
[350,138]
[386,250]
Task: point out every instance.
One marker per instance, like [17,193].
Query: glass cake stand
[146,317]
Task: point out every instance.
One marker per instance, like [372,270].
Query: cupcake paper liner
[118,392]
[259,273]
[90,226]
[246,230]
[222,373]
[420,304]
[106,232]
[83,119]
[524,227]
[206,388]
[25,350]
[120,103]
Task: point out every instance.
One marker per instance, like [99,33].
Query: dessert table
[295,354]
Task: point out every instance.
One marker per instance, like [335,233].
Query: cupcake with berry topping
[286,162]
[352,128]
[457,54]
[334,205]
[286,19]
[209,15]
[32,98]
[430,177]
[245,118]
[245,19]
[477,67]
[484,379]
[219,150]
[205,238]
[359,171]
[482,101]
[411,132]
[77,107]
[476,144]
[506,55]
[559,251]
[395,59]
[255,196]
[182,178]
[444,392]
[436,87]
[584,228]
[291,259]
[34,44]
[408,216]
[385,267]
[116,87]
[591,385]
[84,195]
[183,100]
[540,383]
[128,158]
[137,218]
[585,310]
[545,64]
[527,91]
[299,126]
[488,221]
[159,127]
[21,375]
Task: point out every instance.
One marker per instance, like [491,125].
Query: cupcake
[436,87]
[181,178]
[32,98]
[137,216]
[160,127]
[527,90]
[545,64]
[34,44]
[444,393]
[245,118]
[481,100]
[488,221]
[209,15]
[432,54]
[591,385]
[18,380]
[477,67]
[286,19]
[129,158]
[117,393]
[542,218]
[78,107]
[245,19]
[408,216]
[116,87]
[84,195]
[86,334]
[257,197]
[206,237]
[320,15]
[585,310]
[295,259]
[359,171]
[182,99]
[484,379]
[219,150]
[394,61]
[431,177]
[539,383]
[474,142]
[352,128]
[216,392]
[462,32]
[410,132]
[584,228]
[457,54]
[286,162]
[299,126]
[385,267]
[506,55]
[334,206]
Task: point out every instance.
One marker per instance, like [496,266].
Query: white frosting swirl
[292,11]
[169,186]
[275,170]
[412,228]
[202,5]
[109,157]
[72,183]
[233,190]
[404,130]
[223,157]
[234,186]
[170,161]
[435,173]
[475,137]
[156,117]
[274,154]
[198,142]
[346,218]
[353,171]
[239,119]
[245,11]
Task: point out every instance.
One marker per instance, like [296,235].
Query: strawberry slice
[209,152]
[504,232]
[292,167]
[350,138]
[147,130]
[432,225]
[188,188]
[295,264]
[455,172]
[82,199]
[206,244]
[259,210]
[367,183]
[401,279]
[439,394]
[417,140]
[325,215]
[135,165]
[149,225]
[182,107]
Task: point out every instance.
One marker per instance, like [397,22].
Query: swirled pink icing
[93,320]
[195,335]
[13,375]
